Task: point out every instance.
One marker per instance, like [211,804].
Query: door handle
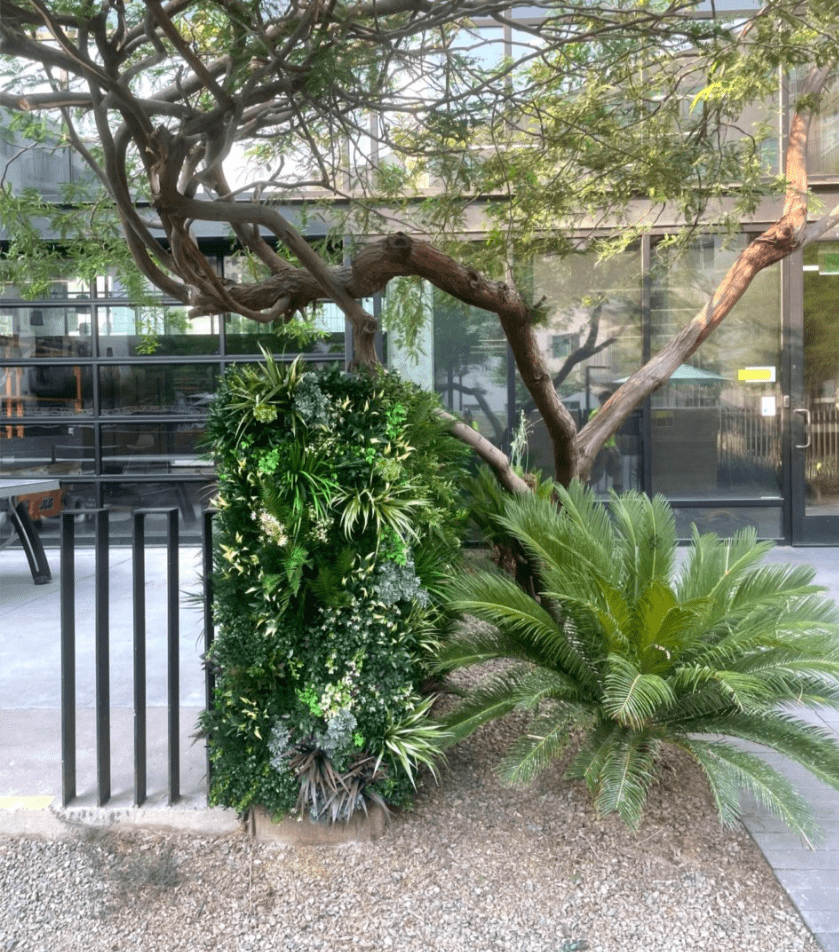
[806,412]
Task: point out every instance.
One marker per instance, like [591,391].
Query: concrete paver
[809,876]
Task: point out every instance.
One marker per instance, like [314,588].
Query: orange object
[43,503]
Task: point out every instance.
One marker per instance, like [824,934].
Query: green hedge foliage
[340,519]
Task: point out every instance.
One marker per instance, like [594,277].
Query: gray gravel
[474,866]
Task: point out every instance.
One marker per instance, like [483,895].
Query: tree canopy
[406,127]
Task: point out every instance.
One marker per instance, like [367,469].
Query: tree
[405,115]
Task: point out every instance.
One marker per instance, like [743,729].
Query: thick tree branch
[488,452]
[780,240]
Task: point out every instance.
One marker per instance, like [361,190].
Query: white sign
[768,407]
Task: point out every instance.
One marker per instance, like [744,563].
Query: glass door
[814,396]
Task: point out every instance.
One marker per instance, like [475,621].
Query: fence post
[209,632]
[139,593]
[68,658]
[173,679]
[103,661]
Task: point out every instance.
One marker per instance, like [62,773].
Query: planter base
[303,832]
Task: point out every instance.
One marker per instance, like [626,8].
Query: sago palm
[648,655]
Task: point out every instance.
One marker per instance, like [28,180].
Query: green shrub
[339,519]
[642,654]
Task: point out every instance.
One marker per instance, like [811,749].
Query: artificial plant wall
[339,518]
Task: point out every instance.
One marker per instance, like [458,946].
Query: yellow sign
[751,374]
[26,803]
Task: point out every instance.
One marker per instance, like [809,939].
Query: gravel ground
[474,866]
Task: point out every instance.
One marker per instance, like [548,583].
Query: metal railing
[102,651]
[748,447]
[822,457]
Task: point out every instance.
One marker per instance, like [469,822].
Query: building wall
[111,396]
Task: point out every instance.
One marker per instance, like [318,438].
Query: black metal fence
[102,651]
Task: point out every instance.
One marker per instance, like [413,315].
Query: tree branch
[488,452]
[776,243]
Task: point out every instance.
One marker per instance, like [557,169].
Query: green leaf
[633,698]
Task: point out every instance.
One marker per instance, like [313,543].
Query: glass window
[44,390]
[823,139]
[470,365]
[243,336]
[46,450]
[725,521]
[184,389]
[40,329]
[130,331]
[716,427]
[821,376]
[153,448]
[592,340]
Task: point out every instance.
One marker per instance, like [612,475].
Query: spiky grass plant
[648,656]
[331,794]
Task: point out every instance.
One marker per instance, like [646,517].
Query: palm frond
[484,704]
[530,754]
[495,598]
[561,539]
[715,566]
[729,770]
[794,676]
[594,751]
[646,529]
[631,697]
[538,684]
[813,747]
[520,688]
[478,646]
[625,777]
[799,623]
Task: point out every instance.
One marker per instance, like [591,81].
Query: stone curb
[57,822]
[293,831]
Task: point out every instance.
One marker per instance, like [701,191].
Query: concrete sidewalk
[30,696]
[809,876]
[30,700]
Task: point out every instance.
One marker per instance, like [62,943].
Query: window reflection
[728,520]
[185,389]
[470,365]
[823,137]
[714,432]
[44,390]
[163,331]
[591,341]
[46,450]
[44,330]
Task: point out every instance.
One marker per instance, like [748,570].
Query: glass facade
[820,352]
[471,366]
[592,339]
[823,139]
[716,424]
[111,397]
[710,439]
